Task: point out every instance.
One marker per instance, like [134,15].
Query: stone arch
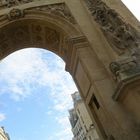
[92,78]
[35,29]
[58,33]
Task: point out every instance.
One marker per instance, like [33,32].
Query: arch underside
[87,53]
[36,29]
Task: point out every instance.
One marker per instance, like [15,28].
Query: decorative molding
[121,35]
[15,14]
[77,40]
[59,9]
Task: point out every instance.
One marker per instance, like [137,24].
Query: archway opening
[35,95]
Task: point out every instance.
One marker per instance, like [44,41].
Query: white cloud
[28,69]
[65,132]
[2,117]
[19,109]
[62,134]
[50,112]
[19,71]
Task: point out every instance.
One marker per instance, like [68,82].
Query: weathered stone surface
[15,14]
[121,35]
[59,9]
[66,28]
[12,3]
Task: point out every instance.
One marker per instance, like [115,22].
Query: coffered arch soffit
[46,27]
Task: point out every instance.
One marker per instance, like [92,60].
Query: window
[96,102]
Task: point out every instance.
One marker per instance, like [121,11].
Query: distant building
[82,126]
[77,130]
[3,134]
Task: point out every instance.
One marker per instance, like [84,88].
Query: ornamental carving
[123,38]
[52,39]
[60,10]
[120,35]
[126,66]
[15,14]
[11,3]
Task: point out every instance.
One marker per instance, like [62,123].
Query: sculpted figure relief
[123,38]
[126,66]
[15,14]
[119,33]
[123,67]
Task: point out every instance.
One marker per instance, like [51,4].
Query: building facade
[77,129]
[99,40]
[3,134]
[82,125]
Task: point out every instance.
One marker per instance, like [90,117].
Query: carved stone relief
[125,67]
[123,38]
[29,34]
[40,35]
[37,33]
[120,34]
[52,37]
[11,3]
[57,9]
[43,35]
[21,33]
[15,14]
[16,36]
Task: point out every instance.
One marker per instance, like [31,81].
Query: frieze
[121,35]
[57,9]
[12,3]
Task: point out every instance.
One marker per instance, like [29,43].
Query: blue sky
[35,96]
[35,93]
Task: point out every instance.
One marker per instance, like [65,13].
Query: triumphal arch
[99,41]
